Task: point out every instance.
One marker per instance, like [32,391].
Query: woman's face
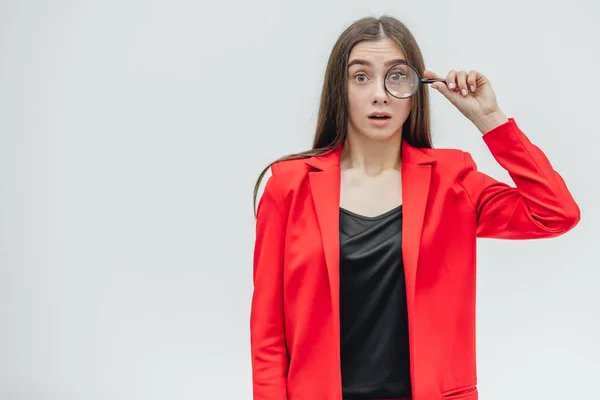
[367,64]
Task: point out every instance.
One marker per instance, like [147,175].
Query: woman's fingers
[451,80]
[472,80]
[461,80]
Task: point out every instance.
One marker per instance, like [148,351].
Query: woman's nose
[380,95]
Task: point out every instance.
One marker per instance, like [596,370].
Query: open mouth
[379,117]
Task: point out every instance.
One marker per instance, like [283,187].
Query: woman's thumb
[439,86]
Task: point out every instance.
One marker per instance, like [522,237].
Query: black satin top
[374,323]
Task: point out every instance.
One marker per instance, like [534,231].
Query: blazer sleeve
[267,333]
[540,206]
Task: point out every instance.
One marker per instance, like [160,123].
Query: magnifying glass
[403,80]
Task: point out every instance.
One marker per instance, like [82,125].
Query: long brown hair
[332,119]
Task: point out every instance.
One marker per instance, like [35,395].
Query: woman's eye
[359,75]
[397,76]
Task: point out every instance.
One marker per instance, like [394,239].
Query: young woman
[365,256]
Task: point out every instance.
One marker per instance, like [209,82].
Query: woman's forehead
[381,52]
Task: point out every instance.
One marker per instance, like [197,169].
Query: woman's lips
[379,121]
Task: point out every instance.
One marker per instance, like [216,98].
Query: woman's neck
[371,156]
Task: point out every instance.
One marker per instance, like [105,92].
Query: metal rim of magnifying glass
[418,75]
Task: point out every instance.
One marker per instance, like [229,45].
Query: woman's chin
[380,134]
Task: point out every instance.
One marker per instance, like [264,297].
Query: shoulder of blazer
[448,160]
[289,171]
[444,154]
[288,174]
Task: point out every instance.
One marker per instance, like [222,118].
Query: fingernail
[464,92]
[472,88]
[451,85]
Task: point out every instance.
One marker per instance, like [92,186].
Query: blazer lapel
[415,189]
[416,181]
[324,183]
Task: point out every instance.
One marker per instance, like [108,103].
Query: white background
[131,135]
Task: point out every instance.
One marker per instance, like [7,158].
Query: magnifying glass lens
[402,81]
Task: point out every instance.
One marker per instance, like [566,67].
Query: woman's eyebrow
[368,64]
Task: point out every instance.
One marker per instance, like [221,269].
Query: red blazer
[447,204]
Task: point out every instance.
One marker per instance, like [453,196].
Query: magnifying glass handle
[432,80]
